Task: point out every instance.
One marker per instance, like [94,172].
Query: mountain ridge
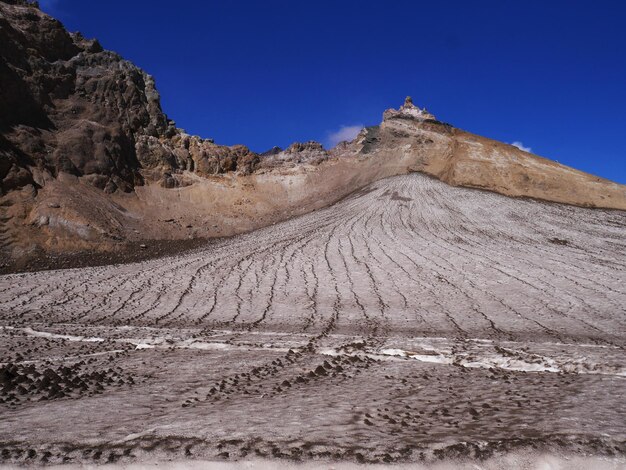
[89,160]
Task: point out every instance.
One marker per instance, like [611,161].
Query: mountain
[441,299]
[89,160]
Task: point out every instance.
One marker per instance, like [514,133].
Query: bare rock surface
[410,322]
[463,159]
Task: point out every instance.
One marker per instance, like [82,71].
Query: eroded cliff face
[460,158]
[88,159]
[68,106]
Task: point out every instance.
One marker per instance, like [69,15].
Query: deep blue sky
[550,74]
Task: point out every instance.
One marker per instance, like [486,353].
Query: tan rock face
[460,158]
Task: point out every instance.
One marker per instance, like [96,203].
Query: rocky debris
[168,181]
[20,383]
[129,252]
[212,159]
[306,147]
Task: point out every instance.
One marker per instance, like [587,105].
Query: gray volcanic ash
[412,321]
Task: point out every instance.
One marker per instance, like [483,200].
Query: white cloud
[521,146]
[344,133]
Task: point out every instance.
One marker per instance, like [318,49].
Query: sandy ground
[411,322]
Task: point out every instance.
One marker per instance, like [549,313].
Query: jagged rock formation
[312,153]
[83,105]
[463,159]
[70,107]
[88,159]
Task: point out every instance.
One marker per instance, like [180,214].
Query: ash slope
[411,321]
[88,159]
[411,250]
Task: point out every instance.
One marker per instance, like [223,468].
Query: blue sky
[549,75]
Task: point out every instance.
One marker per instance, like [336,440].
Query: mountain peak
[408,111]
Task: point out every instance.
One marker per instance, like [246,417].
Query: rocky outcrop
[299,153]
[408,111]
[68,106]
[460,158]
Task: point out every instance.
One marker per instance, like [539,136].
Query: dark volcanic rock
[67,105]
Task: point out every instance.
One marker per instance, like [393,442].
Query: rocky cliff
[89,161]
[68,106]
[460,158]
